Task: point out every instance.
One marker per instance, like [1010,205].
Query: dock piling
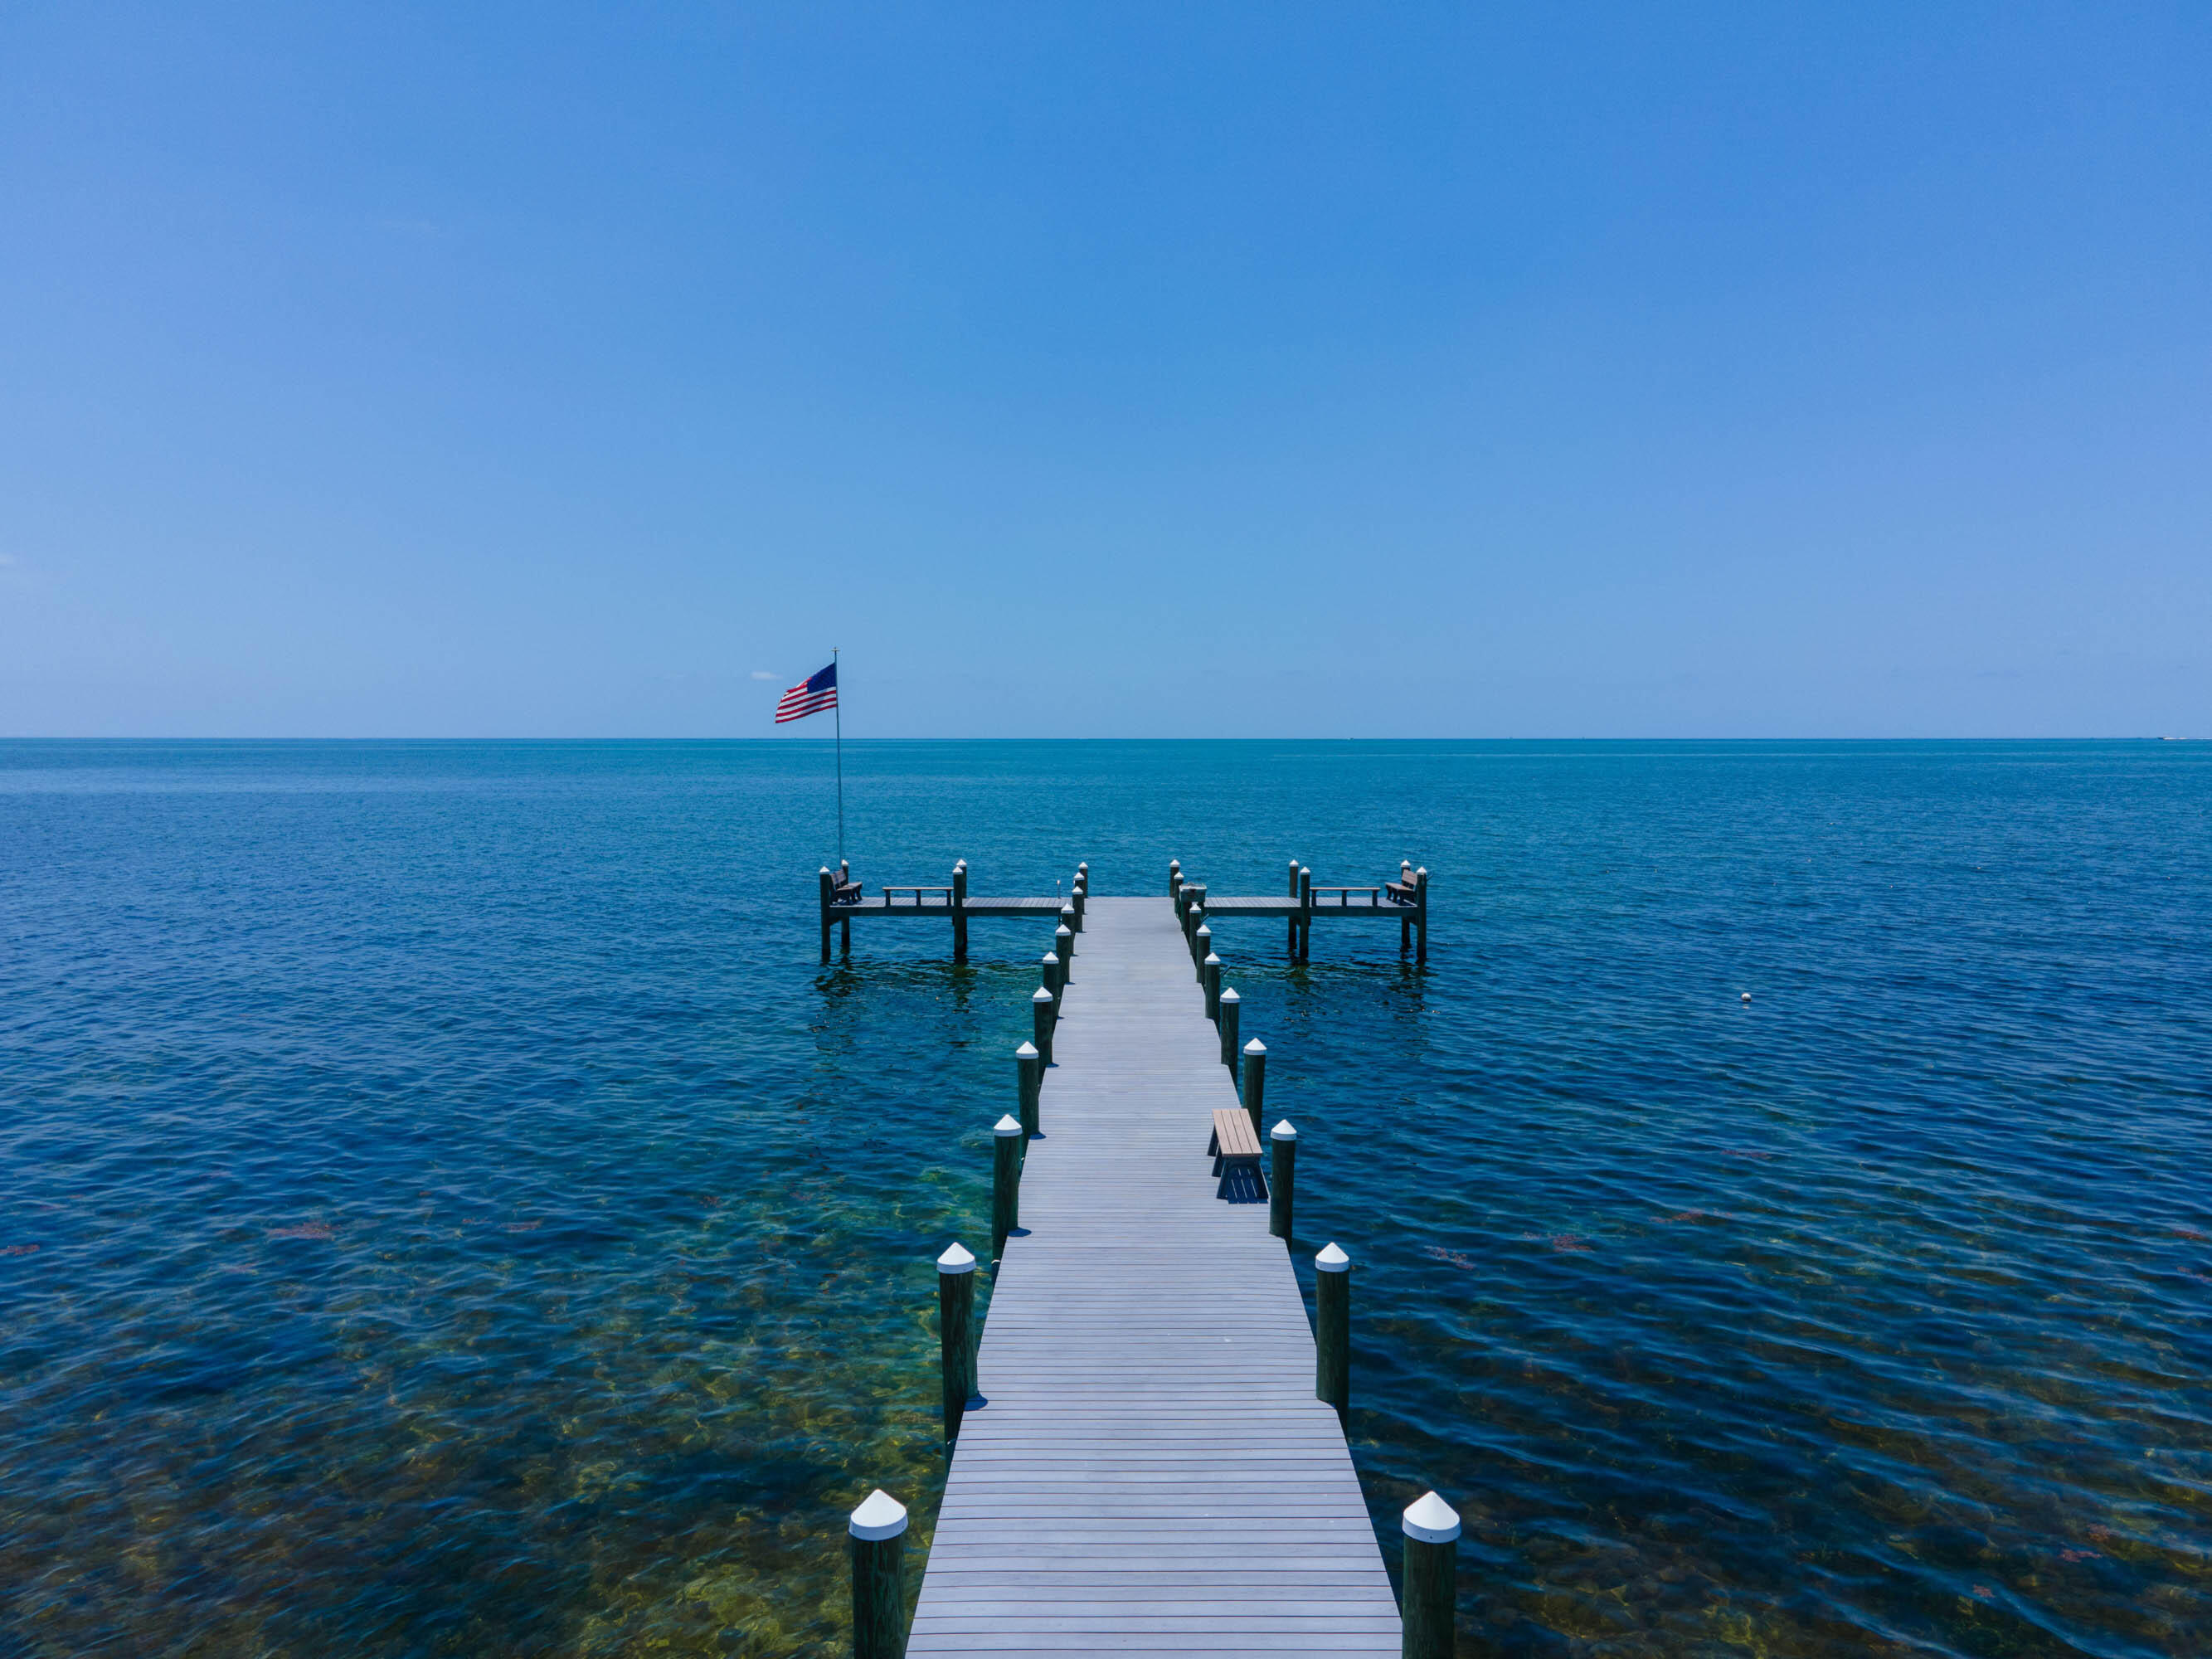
[1305,914]
[1175,883]
[1294,920]
[1421,891]
[1255,1081]
[878,1578]
[1232,1005]
[1043,1011]
[1006,1183]
[1063,945]
[1332,1330]
[1201,946]
[1209,976]
[1029,1073]
[1283,1146]
[960,911]
[955,1332]
[1049,969]
[1427,1612]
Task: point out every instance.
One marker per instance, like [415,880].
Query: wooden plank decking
[1150,1472]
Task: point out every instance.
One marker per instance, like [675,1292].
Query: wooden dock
[1148,1469]
[1404,900]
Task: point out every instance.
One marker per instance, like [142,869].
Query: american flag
[809,696]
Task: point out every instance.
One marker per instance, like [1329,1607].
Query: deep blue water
[449,1210]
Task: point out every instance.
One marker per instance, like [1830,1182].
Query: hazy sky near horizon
[1218,370]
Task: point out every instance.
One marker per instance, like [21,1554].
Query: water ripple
[451,1212]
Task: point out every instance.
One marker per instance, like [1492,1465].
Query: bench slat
[1233,1134]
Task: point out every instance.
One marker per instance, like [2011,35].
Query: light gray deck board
[1152,1472]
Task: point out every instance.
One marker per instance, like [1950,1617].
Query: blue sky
[1119,371]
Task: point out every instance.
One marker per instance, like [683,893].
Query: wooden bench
[1235,1143]
[842,891]
[1406,890]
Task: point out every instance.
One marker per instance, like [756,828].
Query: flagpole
[839,710]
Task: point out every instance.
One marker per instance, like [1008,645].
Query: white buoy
[1747,996]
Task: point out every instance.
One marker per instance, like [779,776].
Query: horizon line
[795,737]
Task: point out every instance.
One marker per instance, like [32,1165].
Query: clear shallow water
[449,1210]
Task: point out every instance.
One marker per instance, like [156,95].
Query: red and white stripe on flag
[810,697]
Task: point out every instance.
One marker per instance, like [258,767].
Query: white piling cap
[1175,863]
[881,1517]
[1084,868]
[1040,995]
[1067,909]
[1432,1521]
[1333,1261]
[960,863]
[1052,956]
[1063,929]
[1212,960]
[1007,1126]
[1231,996]
[1255,1047]
[826,869]
[1028,1050]
[1283,1131]
[959,1259]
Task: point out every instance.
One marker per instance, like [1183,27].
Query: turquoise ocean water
[449,1209]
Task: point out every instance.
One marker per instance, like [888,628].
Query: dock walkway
[1150,1472]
